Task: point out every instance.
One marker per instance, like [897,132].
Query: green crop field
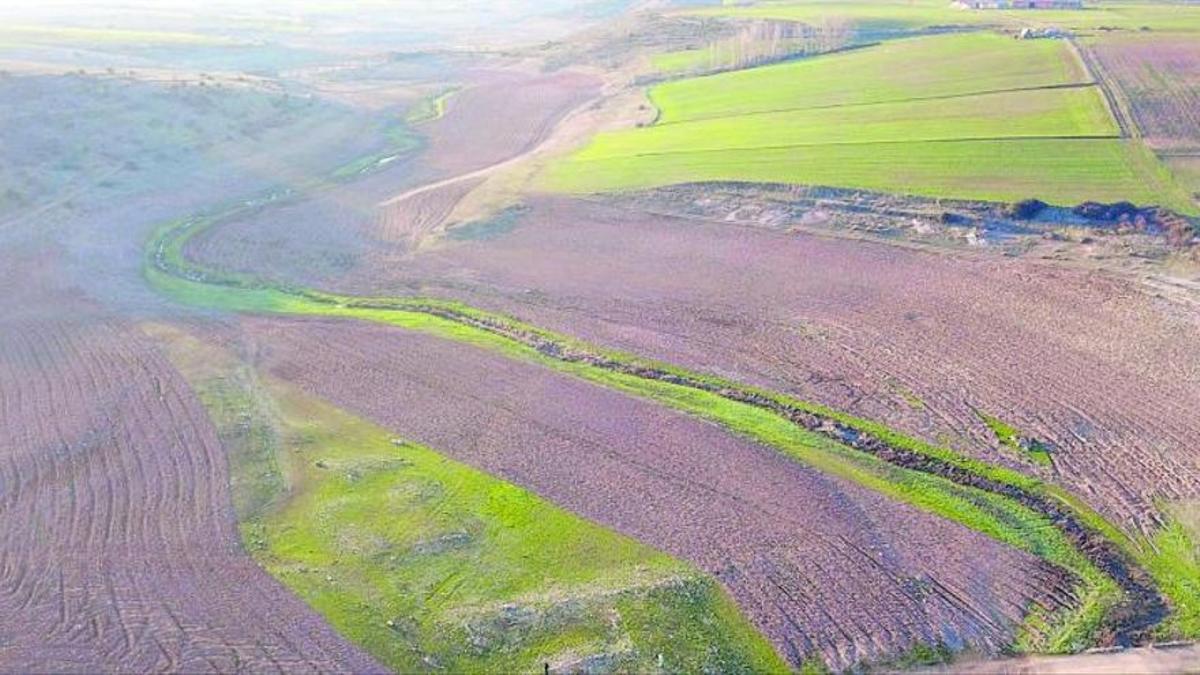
[1056,112]
[942,66]
[876,16]
[978,116]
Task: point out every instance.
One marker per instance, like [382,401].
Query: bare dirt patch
[500,115]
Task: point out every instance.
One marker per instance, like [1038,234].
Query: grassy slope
[1171,558]
[429,563]
[1001,519]
[909,116]
[902,69]
[1006,521]
[1058,112]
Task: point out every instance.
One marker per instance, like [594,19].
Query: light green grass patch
[46,34]
[911,15]
[430,564]
[687,59]
[972,116]
[940,66]
[431,107]
[1058,171]
[1052,113]
[1173,558]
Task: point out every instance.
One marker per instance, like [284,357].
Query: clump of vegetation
[431,107]
[489,228]
[1026,209]
[1010,437]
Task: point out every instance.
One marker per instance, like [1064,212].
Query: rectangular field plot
[1159,76]
[1056,170]
[940,66]
[1053,113]
[979,116]
[881,17]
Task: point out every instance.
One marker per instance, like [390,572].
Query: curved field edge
[997,516]
[430,564]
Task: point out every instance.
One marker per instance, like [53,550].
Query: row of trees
[760,42]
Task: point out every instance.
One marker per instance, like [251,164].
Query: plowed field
[822,566]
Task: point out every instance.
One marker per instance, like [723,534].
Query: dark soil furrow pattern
[118,547]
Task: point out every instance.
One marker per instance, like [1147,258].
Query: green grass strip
[1003,519]
[431,564]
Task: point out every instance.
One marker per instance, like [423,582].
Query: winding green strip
[431,108]
[386,539]
[1001,518]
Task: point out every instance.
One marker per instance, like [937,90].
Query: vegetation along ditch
[1127,592]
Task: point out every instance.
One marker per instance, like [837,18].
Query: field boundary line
[1114,97]
[915,99]
[789,146]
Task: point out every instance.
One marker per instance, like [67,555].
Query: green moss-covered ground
[430,564]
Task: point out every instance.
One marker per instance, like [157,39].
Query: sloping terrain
[972,115]
[821,565]
[921,341]
[430,564]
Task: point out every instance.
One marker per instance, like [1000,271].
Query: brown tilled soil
[1102,374]
[497,117]
[500,115]
[822,566]
[118,547]
[1158,75]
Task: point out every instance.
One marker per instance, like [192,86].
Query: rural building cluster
[1019,4]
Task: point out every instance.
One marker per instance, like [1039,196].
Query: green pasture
[880,16]
[900,70]
[972,116]
[1058,171]
[1052,113]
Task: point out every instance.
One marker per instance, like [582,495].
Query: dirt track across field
[1173,660]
